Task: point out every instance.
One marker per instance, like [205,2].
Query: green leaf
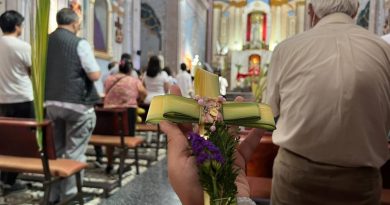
[39,41]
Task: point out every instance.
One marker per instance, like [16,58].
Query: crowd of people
[329,89]
[71,93]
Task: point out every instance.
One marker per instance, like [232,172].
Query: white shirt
[184,81]
[88,61]
[386,38]
[15,61]
[155,86]
[223,84]
[331,88]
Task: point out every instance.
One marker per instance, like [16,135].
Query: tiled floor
[34,193]
[150,188]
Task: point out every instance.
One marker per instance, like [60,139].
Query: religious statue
[256,31]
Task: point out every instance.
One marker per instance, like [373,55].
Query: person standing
[223,84]
[156,81]
[16,93]
[123,91]
[330,87]
[70,94]
[184,81]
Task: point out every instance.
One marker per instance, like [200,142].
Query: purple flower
[204,150]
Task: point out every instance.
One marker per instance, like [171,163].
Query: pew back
[111,122]
[18,138]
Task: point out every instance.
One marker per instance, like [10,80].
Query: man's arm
[94,76]
[88,60]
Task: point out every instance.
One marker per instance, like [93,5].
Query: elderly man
[70,94]
[330,87]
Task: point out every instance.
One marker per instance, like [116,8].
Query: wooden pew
[145,127]
[111,129]
[259,169]
[19,153]
[262,160]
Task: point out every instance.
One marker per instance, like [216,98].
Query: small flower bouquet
[214,152]
[215,160]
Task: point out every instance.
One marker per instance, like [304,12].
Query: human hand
[182,169]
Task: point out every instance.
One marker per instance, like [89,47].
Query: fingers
[239,99]
[248,146]
[177,141]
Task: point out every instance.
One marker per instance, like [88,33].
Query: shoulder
[83,43]
[18,44]
[163,74]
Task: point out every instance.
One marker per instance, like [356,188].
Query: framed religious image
[100,20]
[118,13]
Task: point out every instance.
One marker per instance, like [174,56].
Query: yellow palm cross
[185,110]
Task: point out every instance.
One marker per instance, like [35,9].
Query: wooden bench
[19,153]
[262,160]
[145,127]
[111,129]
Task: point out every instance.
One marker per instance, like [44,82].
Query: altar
[244,35]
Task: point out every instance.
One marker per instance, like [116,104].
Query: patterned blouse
[121,91]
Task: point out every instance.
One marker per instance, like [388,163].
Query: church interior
[233,37]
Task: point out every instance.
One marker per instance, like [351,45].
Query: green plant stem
[215,190]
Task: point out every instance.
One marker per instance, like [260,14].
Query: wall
[193,24]
[149,39]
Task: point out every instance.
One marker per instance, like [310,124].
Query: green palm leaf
[39,41]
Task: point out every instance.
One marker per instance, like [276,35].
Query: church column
[231,26]
[276,29]
[279,10]
[216,26]
[372,17]
[136,33]
[209,33]
[224,32]
[284,21]
[172,44]
[238,29]
[127,27]
[300,15]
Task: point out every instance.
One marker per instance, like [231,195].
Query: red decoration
[248,28]
[264,27]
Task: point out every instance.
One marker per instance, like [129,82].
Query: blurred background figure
[123,91]
[223,83]
[184,81]
[155,81]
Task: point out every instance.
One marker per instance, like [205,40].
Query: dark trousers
[22,110]
[300,181]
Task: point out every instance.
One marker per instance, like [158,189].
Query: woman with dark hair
[122,91]
[155,81]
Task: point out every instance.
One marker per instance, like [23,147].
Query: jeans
[72,131]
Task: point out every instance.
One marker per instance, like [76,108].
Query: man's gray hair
[326,7]
[66,16]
